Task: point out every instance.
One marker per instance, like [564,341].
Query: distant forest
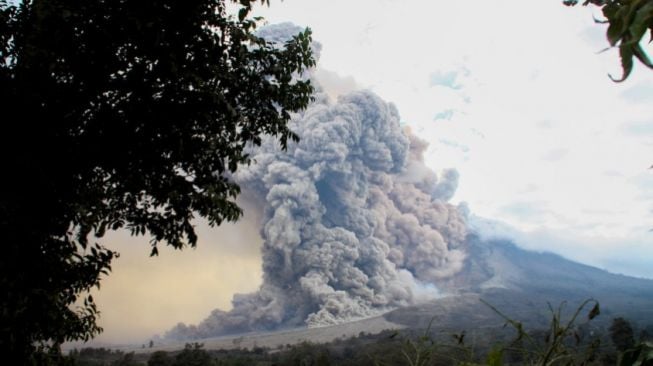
[569,342]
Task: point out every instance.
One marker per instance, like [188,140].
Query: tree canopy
[123,114]
[628,21]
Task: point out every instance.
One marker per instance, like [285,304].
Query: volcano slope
[522,284]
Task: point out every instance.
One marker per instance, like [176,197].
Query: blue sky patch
[446,115]
[446,79]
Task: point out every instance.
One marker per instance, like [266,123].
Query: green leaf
[642,56]
[626,55]
[615,30]
[629,357]
[640,23]
[647,351]
[242,14]
[594,312]
[610,10]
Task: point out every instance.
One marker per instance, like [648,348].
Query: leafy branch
[628,21]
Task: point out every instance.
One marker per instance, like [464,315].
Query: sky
[517,98]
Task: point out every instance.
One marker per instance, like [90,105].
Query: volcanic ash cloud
[354,222]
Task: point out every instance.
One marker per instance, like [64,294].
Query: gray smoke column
[354,223]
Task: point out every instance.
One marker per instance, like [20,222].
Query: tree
[628,21]
[127,360]
[622,334]
[123,114]
[159,358]
[193,355]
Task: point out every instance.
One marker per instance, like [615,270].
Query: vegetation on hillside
[571,339]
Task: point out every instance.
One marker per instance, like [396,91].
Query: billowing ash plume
[354,222]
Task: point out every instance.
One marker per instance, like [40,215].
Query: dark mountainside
[520,283]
